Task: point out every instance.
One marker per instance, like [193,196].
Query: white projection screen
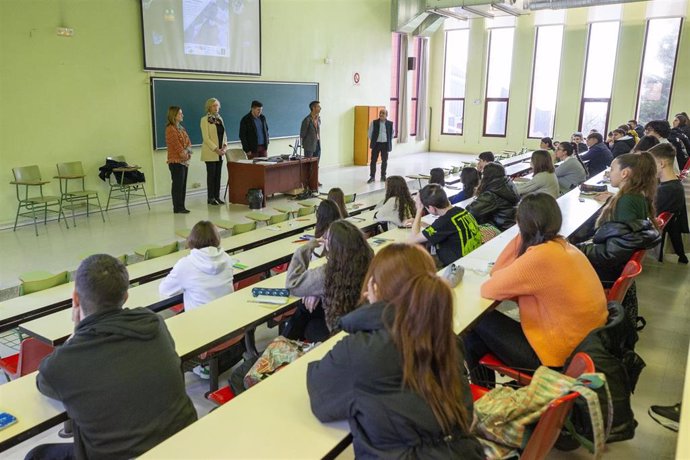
[215,36]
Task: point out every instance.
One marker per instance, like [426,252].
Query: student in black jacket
[599,155]
[661,129]
[497,198]
[118,376]
[398,377]
[670,197]
[622,142]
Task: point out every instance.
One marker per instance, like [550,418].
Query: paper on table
[247,162]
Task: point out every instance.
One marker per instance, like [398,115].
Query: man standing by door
[310,132]
[381,141]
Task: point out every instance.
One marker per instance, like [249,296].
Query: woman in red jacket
[179,153]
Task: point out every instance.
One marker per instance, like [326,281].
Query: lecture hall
[489,263]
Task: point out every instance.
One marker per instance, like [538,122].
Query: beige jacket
[209,134]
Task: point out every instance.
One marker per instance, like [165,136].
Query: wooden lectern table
[271,178]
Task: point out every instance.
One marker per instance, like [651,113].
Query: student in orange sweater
[559,295]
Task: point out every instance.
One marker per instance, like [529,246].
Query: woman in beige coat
[213,147]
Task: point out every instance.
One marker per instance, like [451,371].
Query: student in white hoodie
[202,276]
[205,274]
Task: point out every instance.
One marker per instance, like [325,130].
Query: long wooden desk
[271,177]
[193,331]
[57,327]
[683,446]
[26,308]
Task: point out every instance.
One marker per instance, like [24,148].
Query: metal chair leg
[98,200]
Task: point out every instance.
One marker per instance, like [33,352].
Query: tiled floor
[663,291]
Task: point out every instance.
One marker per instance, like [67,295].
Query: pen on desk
[358,219]
[265,303]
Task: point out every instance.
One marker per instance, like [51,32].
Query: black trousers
[316,153]
[676,238]
[61,451]
[382,148]
[213,171]
[178,174]
[502,336]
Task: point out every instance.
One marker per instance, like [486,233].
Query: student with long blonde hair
[398,376]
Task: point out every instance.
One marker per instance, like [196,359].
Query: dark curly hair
[396,188]
[349,256]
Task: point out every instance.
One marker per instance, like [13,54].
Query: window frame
[583,99]
[675,64]
[414,97]
[445,99]
[534,69]
[396,99]
[487,99]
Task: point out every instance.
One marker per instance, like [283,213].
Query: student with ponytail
[398,376]
[626,222]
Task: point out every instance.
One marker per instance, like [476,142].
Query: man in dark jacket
[661,129]
[380,142]
[639,129]
[118,376]
[598,155]
[622,142]
[254,132]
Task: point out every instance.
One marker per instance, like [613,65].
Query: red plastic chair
[684,173]
[617,292]
[31,352]
[580,364]
[662,220]
[551,422]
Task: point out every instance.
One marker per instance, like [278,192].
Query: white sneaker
[202,371]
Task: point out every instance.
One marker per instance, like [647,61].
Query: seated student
[469,178]
[645,143]
[578,140]
[639,129]
[398,377]
[599,155]
[497,198]
[397,206]
[559,296]
[670,197]
[571,172]
[118,375]
[622,142]
[661,129]
[338,198]
[326,213]
[484,159]
[681,122]
[630,132]
[437,176]
[547,144]
[454,234]
[332,289]
[544,179]
[205,274]
[624,224]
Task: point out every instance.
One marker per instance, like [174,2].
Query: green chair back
[28,287]
[73,168]
[305,211]
[26,173]
[350,198]
[159,251]
[243,228]
[277,218]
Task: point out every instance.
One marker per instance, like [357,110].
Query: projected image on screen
[220,36]
[206,27]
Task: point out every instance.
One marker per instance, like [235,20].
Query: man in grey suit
[310,132]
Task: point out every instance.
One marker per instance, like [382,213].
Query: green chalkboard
[285,104]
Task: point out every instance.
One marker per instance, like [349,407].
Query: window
[658,65]
[498,81]
[454,78]
[545,73]
[416,53]
[395,83]
[599,66]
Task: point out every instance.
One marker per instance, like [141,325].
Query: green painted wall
[86,97]
[624,96]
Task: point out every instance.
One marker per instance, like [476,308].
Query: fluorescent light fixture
[478,12]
